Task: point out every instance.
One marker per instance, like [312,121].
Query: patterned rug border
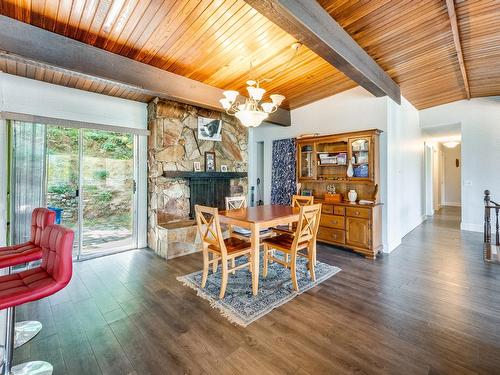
[228,312]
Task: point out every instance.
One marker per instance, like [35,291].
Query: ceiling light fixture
[252,112]
[451,144]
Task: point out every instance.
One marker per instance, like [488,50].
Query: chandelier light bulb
[231,95]
[277,99]
[256,93]
[225,103]
[268,107]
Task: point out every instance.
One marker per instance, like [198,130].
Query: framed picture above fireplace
[209,161]
[209,129]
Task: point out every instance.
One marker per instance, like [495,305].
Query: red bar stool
[24,253]
[31,285]
[28,251]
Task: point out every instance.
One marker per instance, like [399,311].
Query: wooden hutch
[323,162]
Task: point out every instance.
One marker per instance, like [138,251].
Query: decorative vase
[352,195]
[350,170]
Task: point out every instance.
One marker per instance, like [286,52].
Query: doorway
[443,174]
[87,176]
[452,165]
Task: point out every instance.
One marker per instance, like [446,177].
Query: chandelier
[252,112]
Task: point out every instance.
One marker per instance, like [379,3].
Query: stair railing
[489,206]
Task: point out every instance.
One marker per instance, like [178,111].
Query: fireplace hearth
[207,188]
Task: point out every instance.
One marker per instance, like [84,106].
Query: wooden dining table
[256,219]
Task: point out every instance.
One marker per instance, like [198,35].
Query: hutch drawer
[332,221]
[339,210]
[327,209]
[364,213]
[331,235]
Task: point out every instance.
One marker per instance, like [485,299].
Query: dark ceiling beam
[311,25]
[450,4]
[32,44]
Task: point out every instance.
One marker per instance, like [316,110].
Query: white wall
[26,96]
[480,119]
[406,171]
[452,179]
[401,166]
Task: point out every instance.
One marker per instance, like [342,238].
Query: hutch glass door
[307,168]
[360,154]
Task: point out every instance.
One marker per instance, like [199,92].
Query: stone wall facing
[173,145]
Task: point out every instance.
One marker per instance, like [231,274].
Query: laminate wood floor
[431,307]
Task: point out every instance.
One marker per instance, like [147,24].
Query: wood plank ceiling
[214,41]
[72,80]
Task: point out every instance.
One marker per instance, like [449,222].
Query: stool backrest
[302,200]
[40,218]
[57,248]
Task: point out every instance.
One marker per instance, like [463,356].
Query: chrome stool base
[32,368]
[25,331]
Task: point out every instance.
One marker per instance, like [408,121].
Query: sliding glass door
[86,175]
[107,191]
[63,177]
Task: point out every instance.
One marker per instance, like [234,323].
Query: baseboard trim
[453,204]
[472,227]
[392,246]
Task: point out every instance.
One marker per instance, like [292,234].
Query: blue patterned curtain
[283,180]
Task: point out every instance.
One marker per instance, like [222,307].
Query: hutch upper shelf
[330,157]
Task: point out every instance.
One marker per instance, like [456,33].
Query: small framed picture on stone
[209,161]
[197,166]
[209,129]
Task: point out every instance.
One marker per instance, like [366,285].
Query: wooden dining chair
[236,203]
[302,200]
[207,219]
[292,245]
[297,201]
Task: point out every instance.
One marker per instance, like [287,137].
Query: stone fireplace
[173,147]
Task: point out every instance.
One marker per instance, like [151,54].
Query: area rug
[240,306]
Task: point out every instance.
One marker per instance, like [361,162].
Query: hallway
[432,306]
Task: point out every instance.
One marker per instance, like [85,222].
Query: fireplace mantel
[204,175]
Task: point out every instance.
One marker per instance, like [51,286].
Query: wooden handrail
[488,206]
[487,200]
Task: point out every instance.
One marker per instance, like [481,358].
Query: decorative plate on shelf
[361,171]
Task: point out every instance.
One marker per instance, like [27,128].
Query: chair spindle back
[302,200]
[235,203]
[307,227]
[207,219]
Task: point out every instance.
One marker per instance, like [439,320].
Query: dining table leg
[255,257]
